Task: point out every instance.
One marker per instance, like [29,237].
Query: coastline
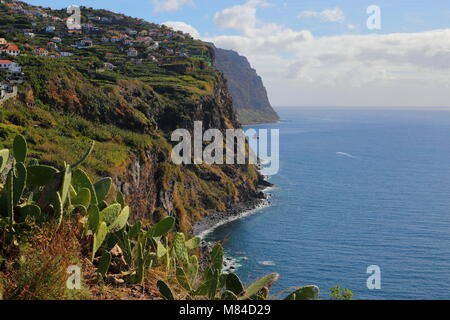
[209,223]
[260,123]
[214,220]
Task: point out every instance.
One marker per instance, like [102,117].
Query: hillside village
[110,90]
[103,43]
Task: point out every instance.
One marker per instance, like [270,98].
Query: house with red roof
[12,50]
[85,43]
[41,52]
[10,66]
[52,45]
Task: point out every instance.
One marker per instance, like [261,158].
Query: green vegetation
[59,205]
[40,204]
[130,111]
[59,111]
[338,293]
[213,284]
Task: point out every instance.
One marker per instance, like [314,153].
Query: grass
[40,273]
[129,112]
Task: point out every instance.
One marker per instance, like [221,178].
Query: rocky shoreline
[217,218]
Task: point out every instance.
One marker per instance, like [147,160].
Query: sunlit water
[356,188]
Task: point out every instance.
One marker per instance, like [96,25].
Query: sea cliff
[250,98]
[89,85]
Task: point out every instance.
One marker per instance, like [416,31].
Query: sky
[320,52]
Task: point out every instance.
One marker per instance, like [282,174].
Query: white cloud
[255,35]
[169,5]
[401,69]
[366,70]
[239,17]
[362,59]
[327,15]
[182,26]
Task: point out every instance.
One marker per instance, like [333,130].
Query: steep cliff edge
[246,87]
[130,107]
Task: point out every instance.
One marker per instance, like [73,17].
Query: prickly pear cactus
[234,284]
[20,148]
[81,180]
[217,257]
[102,188]
[164,290]
[258,285]
[162,227]
[180,247]
[121,221]
[20,178]
[305,293]
[99,237]
[4,157]
[104,263]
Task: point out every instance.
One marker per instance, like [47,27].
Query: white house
[66,54]
[50,29]
[154,46]
[85,43]
[132,52]
[52,45]
[10,66]
[127,42]
[153,59]
[108,66]
[11,50]
[145,40]
[41,52]
[4,89]
[3,41]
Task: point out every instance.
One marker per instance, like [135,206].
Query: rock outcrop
[250,98]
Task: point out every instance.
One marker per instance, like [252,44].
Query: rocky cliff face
[246,87]
[130,112]
[156,188]
[132,127]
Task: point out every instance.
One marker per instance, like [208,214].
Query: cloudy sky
[320,52]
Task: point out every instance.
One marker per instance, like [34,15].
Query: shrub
[40,272]
[52,219]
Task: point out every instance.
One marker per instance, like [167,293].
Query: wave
[266,263]
[264,204]
[231,264]
[348,155]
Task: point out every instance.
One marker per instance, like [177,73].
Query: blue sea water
[356,187]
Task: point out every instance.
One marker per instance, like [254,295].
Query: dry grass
[40,271]
[160,273]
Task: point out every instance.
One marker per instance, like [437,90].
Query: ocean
[356,187]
